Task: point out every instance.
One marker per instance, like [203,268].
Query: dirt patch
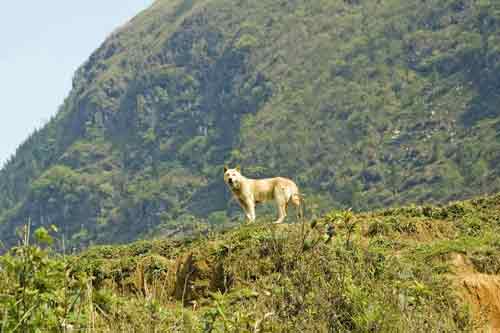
[153,272]
[196,276]
[481,291]
[192,278]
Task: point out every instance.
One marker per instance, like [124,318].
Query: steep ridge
[366,104]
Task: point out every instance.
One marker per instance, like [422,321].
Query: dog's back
[273,188]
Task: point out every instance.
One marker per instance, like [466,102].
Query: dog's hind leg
[297,202]
[281,213]
[281,203]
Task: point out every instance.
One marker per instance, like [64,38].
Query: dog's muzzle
[232,184]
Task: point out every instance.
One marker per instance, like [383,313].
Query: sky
[42,43]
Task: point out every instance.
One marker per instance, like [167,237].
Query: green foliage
[246,42]
[40,291]
[57,179]
[388,103]
[385,271]
[217,218]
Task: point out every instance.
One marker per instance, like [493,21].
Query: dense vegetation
[365,103]
[412,269]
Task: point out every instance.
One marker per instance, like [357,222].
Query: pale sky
[42,43]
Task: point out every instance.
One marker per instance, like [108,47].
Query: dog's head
[232,177]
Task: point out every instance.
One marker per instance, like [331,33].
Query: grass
[385,271]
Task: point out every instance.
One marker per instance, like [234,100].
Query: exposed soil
[481,291]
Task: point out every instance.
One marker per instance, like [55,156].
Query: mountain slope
[366,104]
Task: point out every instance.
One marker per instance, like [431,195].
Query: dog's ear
[238,168]
[225,168]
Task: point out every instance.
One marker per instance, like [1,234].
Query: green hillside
[410,269]
[366,104]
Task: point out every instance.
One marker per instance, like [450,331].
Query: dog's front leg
[250,210]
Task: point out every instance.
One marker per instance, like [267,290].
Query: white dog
[249,192]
